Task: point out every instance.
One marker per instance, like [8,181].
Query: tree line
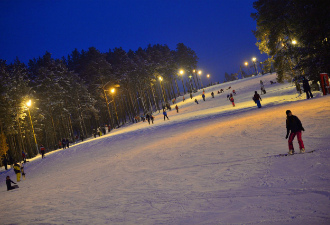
[295,35]
[72,95]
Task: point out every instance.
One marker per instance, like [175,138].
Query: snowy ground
[210,163]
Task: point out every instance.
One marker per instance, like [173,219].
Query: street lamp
[181,72]
[28,104]
[200,74]
[294,42]
[112,90]
[208,77]
[254,60]
[161,87]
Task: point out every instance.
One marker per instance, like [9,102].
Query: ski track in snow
[210,163]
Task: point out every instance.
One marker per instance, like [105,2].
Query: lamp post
[199,86]
[106,100]
[181,72]
[200,74]
[208,77]
[254,60]
[114,103]
[28,104]
[161,87]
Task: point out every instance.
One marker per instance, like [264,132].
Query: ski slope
[211,163]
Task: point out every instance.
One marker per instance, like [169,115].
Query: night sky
[219,31]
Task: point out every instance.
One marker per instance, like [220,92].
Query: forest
[51,99]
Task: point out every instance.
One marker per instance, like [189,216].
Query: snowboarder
[231,98]
[17,170]
[203,96]
[307,88]
[8,183]
[256,98]
[294,125]
[42,151]
[165,115]
[196,101]
[212,94]
[177,108]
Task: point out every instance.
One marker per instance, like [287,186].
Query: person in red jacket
[42,150]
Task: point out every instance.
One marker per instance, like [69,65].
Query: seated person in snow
[8,182]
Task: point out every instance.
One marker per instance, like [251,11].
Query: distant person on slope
[256,98]
[42,150]
[8,183]
[177,108]
[196,101]
[212,94]
[165,114]
[294,125]
[203,96]
[231,98]
[307,88]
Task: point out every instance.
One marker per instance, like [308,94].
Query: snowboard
[287,154]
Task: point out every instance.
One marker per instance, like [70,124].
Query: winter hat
[287,112]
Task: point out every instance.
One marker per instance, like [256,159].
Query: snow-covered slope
[211,163]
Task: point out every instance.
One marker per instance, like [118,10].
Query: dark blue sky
[219,31]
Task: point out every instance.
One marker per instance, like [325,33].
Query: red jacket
[42,148]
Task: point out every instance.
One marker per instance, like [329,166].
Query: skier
[307,88]
[165,115]
[294,125]
[212,94]
[8,182]
[42,151]
[256,98]
[196,101]
[203,96]
[231,98]
[177,108]
[17,170]
[183,98]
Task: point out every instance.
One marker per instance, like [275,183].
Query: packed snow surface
[211,163]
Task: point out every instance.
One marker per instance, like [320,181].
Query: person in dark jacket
[148,118]
[5,162]
[203,96]
[196,101]
[307,88]
[294,125]
[8,182]
[256,98]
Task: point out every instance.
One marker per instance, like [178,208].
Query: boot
[291,152]
[302,150]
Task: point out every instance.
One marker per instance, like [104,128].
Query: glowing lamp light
[112,90]
[254,59]
[199,72]
[160,78]
[181,72]
[29,103]
[294,42]
[208,75]
[246,63]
